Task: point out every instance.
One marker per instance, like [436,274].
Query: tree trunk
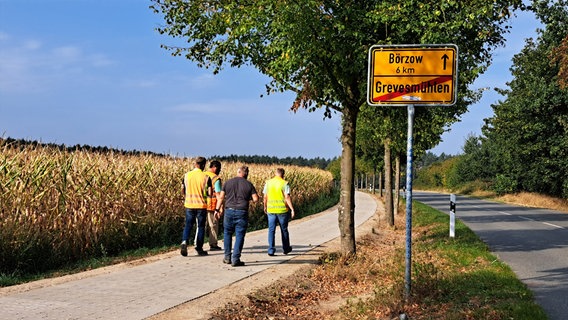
[388,183]
[374,178]
[381,183]
[396,184]
[346,208]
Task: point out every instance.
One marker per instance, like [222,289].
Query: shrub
[503,184]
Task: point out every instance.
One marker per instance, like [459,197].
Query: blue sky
[92,72]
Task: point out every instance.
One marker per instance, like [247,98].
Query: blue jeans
[234,222]
[283,222]
[191,215]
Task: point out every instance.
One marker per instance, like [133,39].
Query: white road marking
[525,218]
[554,225]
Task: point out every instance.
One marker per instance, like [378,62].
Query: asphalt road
[533,242]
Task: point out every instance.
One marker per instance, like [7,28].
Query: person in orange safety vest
[212,221]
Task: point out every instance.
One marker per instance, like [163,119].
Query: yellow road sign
[418,75]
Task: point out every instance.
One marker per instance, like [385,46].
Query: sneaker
[271,254]
[288,251]
[183,250]
[227,260]
[201,252]
[238,263]
[215,248]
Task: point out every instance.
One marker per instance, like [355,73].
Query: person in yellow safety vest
[196,188]
[212,221]
[278,207]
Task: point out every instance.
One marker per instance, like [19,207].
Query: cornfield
[60,206]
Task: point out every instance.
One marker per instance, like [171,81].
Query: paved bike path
[140,291]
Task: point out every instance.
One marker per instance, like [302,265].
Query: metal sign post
[409,155]
[412,75]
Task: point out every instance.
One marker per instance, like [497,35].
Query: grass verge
[451,279]
[83,265]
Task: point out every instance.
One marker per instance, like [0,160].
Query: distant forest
[21,143]
[320,163]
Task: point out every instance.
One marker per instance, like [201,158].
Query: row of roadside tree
[524,146]
[319,50]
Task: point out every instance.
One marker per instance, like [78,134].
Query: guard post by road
[412,75]
[452,215]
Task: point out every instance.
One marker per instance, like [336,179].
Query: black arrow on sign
[445,58]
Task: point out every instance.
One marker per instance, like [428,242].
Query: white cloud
[30,65]
[224,107]
[67,54]
[32,45]
[203,80]
[100,60]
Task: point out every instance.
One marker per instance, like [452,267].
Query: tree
[318,49]
[560,56]
[476,162]
[476,27]
[528,134]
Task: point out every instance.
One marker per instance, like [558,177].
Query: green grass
[452,278]
[83,265]
[465,278]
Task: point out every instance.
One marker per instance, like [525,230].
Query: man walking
[237,192]
[196,188]
[278,207]
[212,200]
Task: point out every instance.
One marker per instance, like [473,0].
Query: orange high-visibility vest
[195,183]
[212,199]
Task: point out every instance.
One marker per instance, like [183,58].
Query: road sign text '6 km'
[409,74]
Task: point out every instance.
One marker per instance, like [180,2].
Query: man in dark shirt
[236,192]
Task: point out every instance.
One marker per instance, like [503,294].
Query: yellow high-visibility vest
[195,183]
[212,199]
[276,203]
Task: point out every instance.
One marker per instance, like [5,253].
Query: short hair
[200,161]
[280,171]
[215,164]
[243,170]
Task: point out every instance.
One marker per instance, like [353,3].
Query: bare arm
[289,203]
[220,197]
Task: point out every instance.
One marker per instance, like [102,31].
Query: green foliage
[454,178]
[318,50]
[527,138]
[430,158]
[317,162]
[335,168]
[429,177]
[476,27]
[503,184]
[439,175]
